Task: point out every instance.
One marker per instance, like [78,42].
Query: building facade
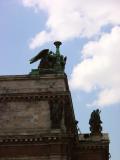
[37,120]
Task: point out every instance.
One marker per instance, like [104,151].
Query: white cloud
[100,68]
[68,19]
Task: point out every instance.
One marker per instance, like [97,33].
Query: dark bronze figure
[56,110]
[95,122]
[40,55]
[50,62]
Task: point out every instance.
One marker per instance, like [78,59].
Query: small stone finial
[57,44]
[95,123]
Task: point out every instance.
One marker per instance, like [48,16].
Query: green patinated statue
[50,62]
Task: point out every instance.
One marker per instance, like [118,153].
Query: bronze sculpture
[95,123]
[50,62]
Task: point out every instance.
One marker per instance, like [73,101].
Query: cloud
[100,69]
[68,19]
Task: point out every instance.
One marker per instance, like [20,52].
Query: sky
[90,36]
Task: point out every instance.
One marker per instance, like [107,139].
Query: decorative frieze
[34,96]
[34,139]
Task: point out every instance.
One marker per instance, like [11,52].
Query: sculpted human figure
[56,110]
[95,122]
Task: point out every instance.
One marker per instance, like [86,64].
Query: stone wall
[37,158]
[30,84]
[24,118]
[22,110]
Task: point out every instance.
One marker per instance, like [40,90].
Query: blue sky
[90,33]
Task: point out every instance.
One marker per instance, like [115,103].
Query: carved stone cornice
[34,96]
[35,139]
[93,147]
[31,77]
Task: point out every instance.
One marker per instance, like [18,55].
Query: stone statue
[50,62]
[95,123]
[56,110]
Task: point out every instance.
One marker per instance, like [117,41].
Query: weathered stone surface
[30,84]
[37,158]
[24,117]
[28,115]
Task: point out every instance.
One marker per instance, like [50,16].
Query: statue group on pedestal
[50,62]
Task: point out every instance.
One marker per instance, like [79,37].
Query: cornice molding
[35,96]
[31,77]
[93,146]
[35,139]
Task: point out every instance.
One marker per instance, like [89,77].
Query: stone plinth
[32,84]
[92,147]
